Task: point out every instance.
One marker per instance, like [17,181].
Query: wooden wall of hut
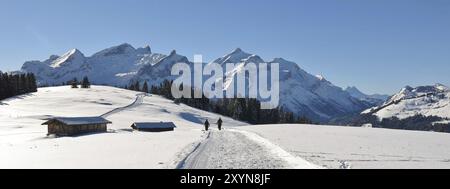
[68,130]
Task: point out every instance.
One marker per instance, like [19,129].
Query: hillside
[24,144]
[421,100]
[24,140]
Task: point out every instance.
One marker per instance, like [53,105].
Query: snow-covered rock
[156,73]
[422,100]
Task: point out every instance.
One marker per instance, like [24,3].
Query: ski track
[139,100]
[229,149]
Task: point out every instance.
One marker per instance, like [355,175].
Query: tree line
[16,84]
[85,83]
[418,122]
[243,109]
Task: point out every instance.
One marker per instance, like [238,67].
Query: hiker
[206,125]
[219,123]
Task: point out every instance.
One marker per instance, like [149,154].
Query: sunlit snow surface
[357,148]
[23,142]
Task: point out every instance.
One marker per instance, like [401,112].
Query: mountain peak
[355,92]
[237,50]
[74,51]
[407,87]
[174,57]
[173,52]
[375,99]
[236,56]
[125,45]
[254,59]
[321,77]
[147,47]
[70,56]
[352,88]
[71,53]
[116,50]
[441,87]
[279,60]
[53,57]
[145,50]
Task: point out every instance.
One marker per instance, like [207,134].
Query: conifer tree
[137,86]
[74,83]
[145,87]
[85,83]
[17,84]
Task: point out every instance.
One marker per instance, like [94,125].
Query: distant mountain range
[302,93]
[373,99]
[114,66]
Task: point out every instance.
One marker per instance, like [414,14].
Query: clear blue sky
[376,45]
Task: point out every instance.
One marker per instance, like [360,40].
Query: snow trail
[139,100]
[229,149]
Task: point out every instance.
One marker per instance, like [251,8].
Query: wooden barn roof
[79,120]
[154,125]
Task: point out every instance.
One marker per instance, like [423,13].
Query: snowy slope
[424,100]
[23,142]
[360,148]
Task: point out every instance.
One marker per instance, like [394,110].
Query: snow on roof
[79,120]
[154,125]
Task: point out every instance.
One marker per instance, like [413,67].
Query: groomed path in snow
[230,149]
[139,100]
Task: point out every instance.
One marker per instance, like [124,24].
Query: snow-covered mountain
[113,66]
[301,92]
[375,99]
[156,73]
[423,100]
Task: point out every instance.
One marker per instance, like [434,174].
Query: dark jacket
[206,125]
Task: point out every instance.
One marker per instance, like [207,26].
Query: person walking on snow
[219,123]
[206,125]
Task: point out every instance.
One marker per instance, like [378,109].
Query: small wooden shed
[154,126]
[69,126]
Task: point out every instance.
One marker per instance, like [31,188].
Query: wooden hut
[69,126]
[154,126]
